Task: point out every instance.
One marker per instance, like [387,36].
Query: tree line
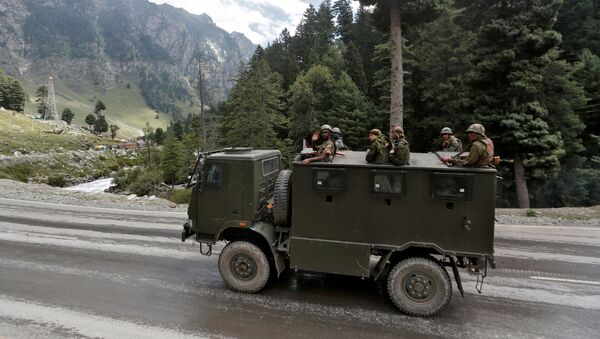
[528,70]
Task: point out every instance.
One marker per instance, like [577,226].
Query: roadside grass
[63,169]
[565,213]
[125,105]
[19,132]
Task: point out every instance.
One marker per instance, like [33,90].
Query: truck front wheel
[244,267]
[419,286]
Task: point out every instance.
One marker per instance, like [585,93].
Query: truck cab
[418,221]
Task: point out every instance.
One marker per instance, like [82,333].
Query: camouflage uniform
[378,153]
[327,148]
[452,145]
[401,154]
[480,154]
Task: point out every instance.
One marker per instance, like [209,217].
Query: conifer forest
[529,71]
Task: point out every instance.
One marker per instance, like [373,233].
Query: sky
[260,20]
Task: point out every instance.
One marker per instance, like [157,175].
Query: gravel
[40,192]
[586,216]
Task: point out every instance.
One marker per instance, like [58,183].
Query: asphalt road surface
[89,272]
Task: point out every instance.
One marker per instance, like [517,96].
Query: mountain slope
[97,49]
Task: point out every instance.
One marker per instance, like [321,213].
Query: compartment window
[270,166]
[329,180]
[214,173]
[391,184]
[452,186]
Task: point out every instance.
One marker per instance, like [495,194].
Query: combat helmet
[336,130]
[375,131]
[326,128]
[476,128]
[446,130]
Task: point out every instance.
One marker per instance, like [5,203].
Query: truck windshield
[195,175]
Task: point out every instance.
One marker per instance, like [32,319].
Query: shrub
[57,181]
[145,183]
[181,196]
[124,178]
[19,172]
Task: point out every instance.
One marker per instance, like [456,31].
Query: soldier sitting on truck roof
[450,143]
[400,155]
[378,153]
[338,139]
[481,153]
[326,150]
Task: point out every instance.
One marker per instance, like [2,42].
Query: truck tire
[244,267]
[282,199]
[419,286]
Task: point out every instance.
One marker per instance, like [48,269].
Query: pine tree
[308,102]
[41,99]
[171,160]
[159,136]
[344,19]
[254,107]
[113,131]
[90,119]
[578,22]
[15,98]
[513,51]
[389,14]
[67,115]
[100,125]
[354,66]
[99,108]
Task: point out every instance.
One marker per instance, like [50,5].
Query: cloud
[260,20]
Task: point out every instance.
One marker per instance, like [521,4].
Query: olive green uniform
[401,154]
[452,145]
[480,154]
[327,148]
[378,153]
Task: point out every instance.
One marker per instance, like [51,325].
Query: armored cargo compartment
[352,207]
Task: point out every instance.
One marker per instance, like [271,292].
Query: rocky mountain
[95,45]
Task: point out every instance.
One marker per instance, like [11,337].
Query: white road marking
[84,324]
[585,282]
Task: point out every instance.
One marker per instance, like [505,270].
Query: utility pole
[51,112]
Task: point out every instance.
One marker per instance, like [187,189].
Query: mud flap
[267,231]
[457,276]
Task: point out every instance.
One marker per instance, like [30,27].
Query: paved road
[89,272]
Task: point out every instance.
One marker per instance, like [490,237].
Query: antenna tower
[51,113]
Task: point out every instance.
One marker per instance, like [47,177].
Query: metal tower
[51,113]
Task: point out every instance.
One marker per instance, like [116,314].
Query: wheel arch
[260,234]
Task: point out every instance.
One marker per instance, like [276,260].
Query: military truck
[404,225]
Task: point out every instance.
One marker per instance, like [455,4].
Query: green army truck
[406,225]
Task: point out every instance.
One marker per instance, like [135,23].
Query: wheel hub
[243,266]
[418,286]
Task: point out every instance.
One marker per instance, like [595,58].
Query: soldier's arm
[471,159]
[371,154]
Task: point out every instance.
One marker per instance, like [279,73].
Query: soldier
[401,153]
[339,142]
[449,142]
[326,150]
[481,153]
[378,153]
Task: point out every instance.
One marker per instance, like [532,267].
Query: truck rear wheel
[282,199]
[419,286]
[244,267]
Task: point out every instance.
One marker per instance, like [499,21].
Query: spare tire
[282,199]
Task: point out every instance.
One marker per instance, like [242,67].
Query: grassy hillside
[125,105]
[21,133]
